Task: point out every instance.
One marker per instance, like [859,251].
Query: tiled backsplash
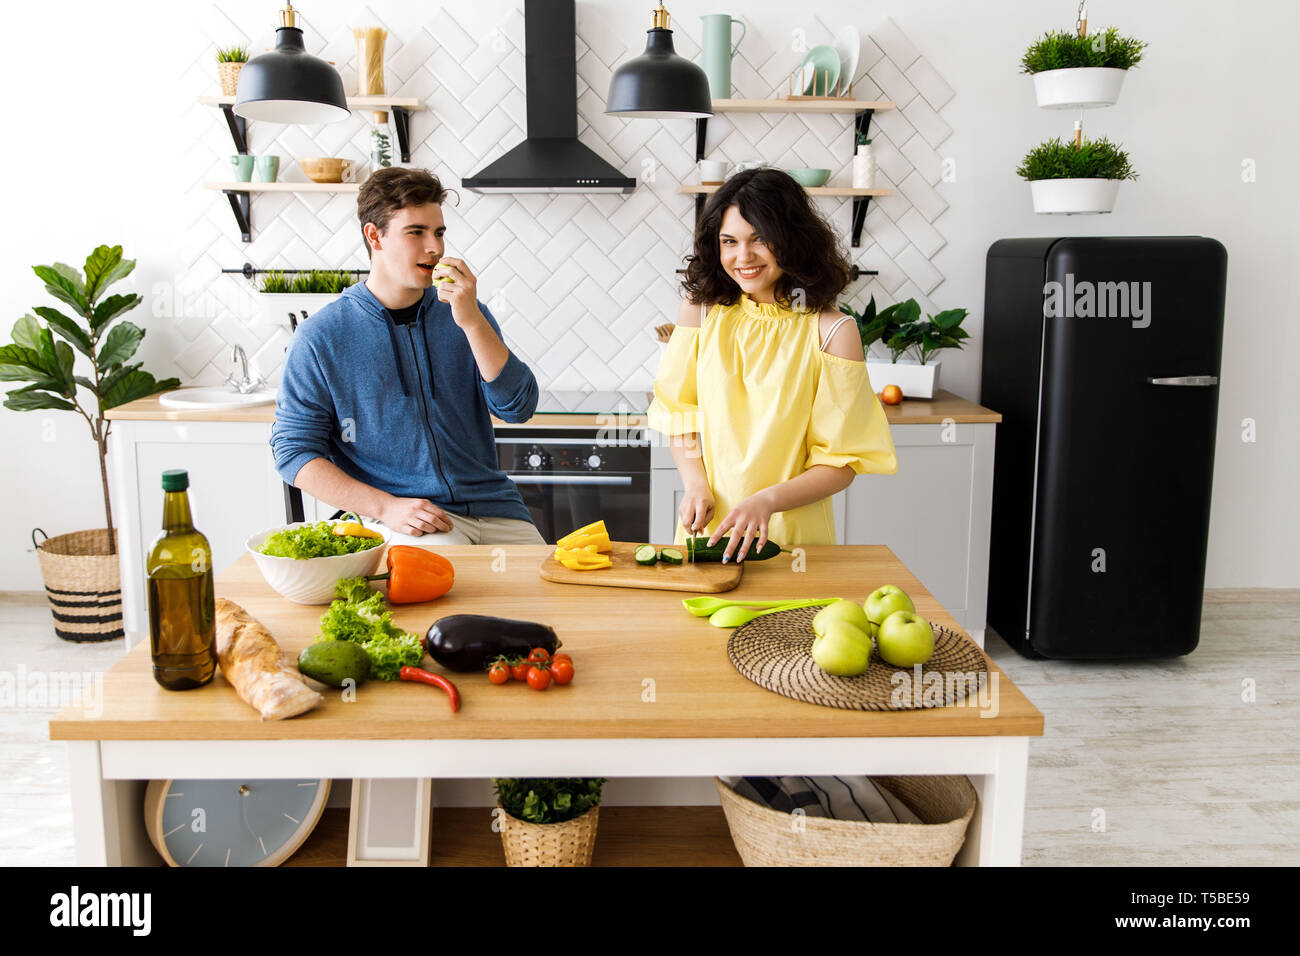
[577,282]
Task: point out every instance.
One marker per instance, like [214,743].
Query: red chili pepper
[436,680]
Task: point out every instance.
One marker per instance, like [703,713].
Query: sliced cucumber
[670,556]
[646,554]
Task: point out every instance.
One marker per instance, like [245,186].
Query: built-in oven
[570,477]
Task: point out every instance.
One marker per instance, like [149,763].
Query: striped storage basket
[83,583]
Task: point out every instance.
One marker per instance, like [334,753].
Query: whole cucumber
[469,642]
[701,552]
[333,662]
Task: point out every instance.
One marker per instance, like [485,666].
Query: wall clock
[231,822]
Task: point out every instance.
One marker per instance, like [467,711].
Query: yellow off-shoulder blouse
[768,404]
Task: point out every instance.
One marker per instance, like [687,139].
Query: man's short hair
[391,189]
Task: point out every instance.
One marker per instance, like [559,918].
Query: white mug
[712,171]
[748,164]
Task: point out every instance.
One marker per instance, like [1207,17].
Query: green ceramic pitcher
[716,51]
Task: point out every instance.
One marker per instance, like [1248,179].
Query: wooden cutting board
[626,573]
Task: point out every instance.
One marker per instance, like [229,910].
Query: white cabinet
[933,514]
[234,492]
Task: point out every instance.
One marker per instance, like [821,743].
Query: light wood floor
[1158,762]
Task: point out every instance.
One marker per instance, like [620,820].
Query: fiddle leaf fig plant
[47,365]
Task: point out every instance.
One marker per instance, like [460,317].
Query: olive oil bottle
[182,606]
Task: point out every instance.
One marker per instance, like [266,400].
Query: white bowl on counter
[310,580]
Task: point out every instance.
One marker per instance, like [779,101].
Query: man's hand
[414,516]
[462,293]
[748,520]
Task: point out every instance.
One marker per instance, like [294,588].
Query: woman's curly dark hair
[802,242]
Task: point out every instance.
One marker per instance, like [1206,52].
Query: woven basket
[549,844]
[84,585]
[228,74]
[766,837]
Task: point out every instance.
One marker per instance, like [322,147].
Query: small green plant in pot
[107,342]
[230,59]
[1080,72]
[548,821]
[1065,178]
[900,330]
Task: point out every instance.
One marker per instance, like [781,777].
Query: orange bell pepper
[415,575]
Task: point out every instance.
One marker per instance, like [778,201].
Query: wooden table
[654,696]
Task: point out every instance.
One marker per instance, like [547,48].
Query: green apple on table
[850,612]
[884,601]
[842,650]
[905,640]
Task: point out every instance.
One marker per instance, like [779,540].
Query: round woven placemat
[774,652]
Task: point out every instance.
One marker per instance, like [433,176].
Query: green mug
[267,168]
[716,51]
[243,166]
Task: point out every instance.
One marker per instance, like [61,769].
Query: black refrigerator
[1102,354]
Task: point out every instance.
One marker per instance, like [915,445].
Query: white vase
[1078,88]
[916,380]
[864,168]
[1073,196]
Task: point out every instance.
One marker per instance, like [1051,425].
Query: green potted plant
[910,341]
[548,822]
[1067,179]
[230,60]
[302,293]
[1080,72]
[81,569]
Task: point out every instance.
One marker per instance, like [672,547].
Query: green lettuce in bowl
[314,541]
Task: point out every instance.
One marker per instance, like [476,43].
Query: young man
[385,397]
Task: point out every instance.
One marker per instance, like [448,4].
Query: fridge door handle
[1185,380]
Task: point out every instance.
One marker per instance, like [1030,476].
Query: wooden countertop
[945,405]
[620,638]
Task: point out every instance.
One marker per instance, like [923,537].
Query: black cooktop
[592,402]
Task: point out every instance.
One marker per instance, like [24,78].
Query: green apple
[842,650]
[885,600]
[848,611]
[905,639]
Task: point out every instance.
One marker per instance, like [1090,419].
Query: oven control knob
[534,460]
[593,461]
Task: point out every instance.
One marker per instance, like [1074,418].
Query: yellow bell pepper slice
[355,529]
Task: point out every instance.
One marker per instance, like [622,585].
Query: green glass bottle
[182,605]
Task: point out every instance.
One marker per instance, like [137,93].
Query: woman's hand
[696,509]
[749,519]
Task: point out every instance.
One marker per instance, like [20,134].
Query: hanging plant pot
[916,380]
[1073,196]
[1078,88]
[228,74]
[276,306]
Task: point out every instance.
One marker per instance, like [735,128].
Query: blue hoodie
[400,408]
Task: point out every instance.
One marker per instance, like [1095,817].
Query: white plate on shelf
[848,44]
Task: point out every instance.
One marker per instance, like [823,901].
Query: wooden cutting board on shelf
[707,578]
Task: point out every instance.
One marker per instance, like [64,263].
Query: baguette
[250,660]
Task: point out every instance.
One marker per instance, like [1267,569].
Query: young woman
[763,385]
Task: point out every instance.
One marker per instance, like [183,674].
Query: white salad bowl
[310,580]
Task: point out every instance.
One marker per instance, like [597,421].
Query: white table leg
[107,815]
[995,832]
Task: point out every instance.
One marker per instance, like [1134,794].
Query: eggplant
[470,642]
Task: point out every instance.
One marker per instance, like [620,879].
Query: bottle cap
[175,479]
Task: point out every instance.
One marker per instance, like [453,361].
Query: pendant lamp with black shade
[659,84]
[288,84]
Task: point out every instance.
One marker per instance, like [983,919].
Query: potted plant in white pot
[1068,179]
[303,293]
[1080,72]
[548,822]
[81,571]
[910,341]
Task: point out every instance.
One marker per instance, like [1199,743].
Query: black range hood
[550,159]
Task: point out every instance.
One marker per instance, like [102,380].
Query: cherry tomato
[561,671]
[561,657]
[539,678]
[539,654]
[520,671]
[499,672]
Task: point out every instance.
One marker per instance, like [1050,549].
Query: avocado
[333,662]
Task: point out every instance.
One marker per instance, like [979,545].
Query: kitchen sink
[214,398]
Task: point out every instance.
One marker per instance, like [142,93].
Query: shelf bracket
[860,204]
[238,128]
[240,206]
[402,120]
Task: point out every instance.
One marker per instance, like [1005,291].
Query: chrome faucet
[245,384]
